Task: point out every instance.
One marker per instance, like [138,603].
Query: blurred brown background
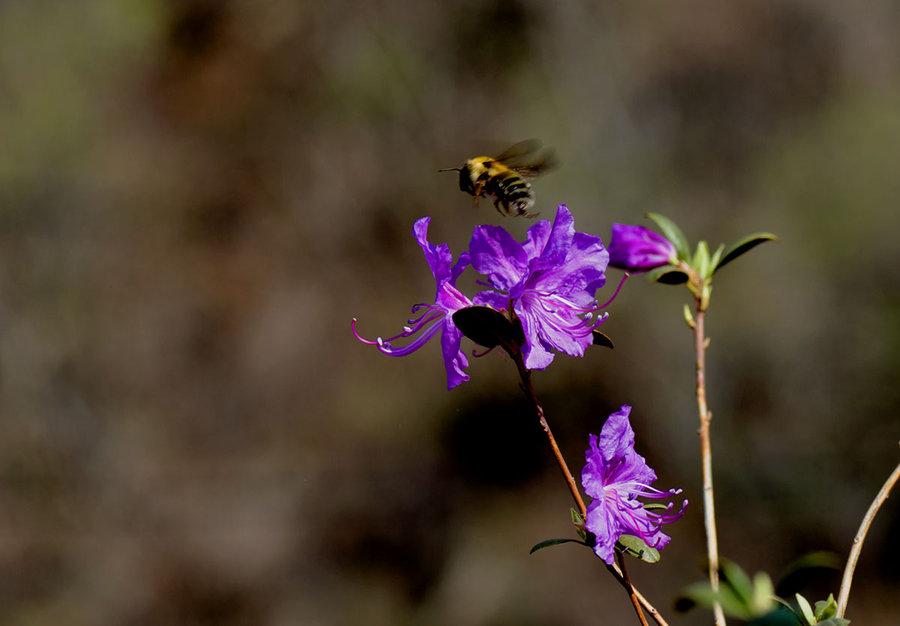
[196,196]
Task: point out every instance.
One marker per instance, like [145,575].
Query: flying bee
[503,177]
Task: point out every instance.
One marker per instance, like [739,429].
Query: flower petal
[497,255]
[455,360]
[438,256]
[606,531]
[557,246]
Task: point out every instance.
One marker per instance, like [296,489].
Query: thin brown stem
[620,577]
[855,551]
[525,374]
[709,515]
[634,594]
[634,601]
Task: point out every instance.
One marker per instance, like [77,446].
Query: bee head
[465,178]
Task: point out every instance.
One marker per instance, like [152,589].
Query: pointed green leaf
[576,517]
[733,604]
[636,547]
[688,317]
[714,261]
[744,245]
[805,610]
[671,232]
[702,593]
[835,621]
[668,275]
[552,542]
[691,596]
[783,603]
[701,259]
[735,578]
[826,609]
[601,339]
[763,592]
[578,522]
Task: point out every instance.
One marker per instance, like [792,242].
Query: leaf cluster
[696,269]
[754,600]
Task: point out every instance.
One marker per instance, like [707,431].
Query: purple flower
[639,249]
[615,476]
[548,281]
[437,317]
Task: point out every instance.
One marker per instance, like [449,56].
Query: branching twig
[860,537]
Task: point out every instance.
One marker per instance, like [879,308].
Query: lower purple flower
[615,476]
[437,317]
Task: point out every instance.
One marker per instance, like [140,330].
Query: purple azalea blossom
[639,249]
[615,476]
[437,317]
[549,281]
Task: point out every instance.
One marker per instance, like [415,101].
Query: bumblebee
[503,177]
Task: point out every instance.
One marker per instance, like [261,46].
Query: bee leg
[477,192]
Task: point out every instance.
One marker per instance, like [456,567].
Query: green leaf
[826,609]
[601,339]
[763,593]
[688,317]
[732,604]
[552,542]
[668,275]
[835,621]
[744,245]
[714,261]
[487,327]
[698,593]
[805,610]
[783,603]
[636,547]
[701,259]
[671,232]
[735,578]
[742,598]
[578,522]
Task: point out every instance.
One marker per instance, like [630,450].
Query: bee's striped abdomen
[510,191]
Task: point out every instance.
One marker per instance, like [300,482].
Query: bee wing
[541,163]
[518,152]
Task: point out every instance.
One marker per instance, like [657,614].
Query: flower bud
[639,249]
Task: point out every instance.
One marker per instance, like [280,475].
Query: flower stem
[860,537]
[636,597]
[525,374]
[709,515]
[634,601]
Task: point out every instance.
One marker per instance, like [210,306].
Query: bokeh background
[197,195]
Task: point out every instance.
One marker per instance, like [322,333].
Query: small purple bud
[639,249]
